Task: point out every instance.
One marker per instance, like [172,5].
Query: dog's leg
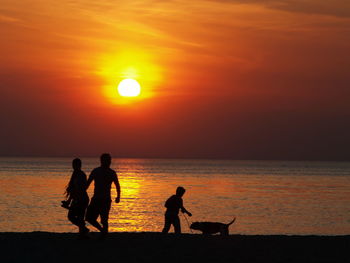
[224,230]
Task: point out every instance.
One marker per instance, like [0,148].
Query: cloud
[8,19]
[338,8]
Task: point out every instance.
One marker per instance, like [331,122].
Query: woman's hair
[76,163]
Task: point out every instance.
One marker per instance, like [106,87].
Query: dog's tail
[234,219]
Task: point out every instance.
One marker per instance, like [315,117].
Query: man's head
[76,164]
[106,160]
[180,191]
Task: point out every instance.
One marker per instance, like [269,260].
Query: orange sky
[220,79]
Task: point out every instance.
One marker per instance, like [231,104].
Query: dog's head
[195,226]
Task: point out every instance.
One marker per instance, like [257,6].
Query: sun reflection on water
[122,215]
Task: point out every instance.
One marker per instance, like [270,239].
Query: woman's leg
[72,216]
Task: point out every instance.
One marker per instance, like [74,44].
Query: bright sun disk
[129,88]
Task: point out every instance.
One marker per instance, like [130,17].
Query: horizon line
[177,158]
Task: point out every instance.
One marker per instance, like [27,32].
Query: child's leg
[177,225]
[167,224]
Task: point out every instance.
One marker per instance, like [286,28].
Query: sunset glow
[132,64]
[218,78]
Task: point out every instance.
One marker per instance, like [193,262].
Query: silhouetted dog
[209,228]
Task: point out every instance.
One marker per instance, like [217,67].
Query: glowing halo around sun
[129,88]
[130,76]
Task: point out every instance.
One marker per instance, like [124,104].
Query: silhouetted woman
[77,198]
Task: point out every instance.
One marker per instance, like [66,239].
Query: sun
[129,88]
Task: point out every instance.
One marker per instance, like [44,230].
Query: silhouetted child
[77,198]
[173,205]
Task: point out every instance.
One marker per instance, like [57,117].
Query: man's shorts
[98,207]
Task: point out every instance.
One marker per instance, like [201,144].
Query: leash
[187,222]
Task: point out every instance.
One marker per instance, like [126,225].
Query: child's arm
[183,210]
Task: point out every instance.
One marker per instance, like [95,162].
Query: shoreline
[156,247]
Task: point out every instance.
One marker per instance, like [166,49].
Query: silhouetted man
[173,205]
[100,204]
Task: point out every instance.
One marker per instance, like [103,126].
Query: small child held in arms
[173,205]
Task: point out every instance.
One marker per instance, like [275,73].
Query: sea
[265,197]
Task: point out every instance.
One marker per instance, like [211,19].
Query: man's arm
[117,187]
[91,178]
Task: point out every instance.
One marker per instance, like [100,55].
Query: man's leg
[92,214]
[104,213]
[177,225]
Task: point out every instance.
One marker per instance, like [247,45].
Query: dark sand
[155,247]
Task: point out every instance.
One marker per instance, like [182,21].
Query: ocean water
[266,197]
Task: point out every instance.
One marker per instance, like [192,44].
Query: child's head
[180,191]
[76,164]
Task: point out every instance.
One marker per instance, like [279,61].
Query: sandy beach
[155,247]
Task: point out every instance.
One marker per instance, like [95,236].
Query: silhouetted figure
[78,199]
[100,204]
[173,205]
[209,228]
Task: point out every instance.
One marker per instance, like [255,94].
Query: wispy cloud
[339,8]
[9,19]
